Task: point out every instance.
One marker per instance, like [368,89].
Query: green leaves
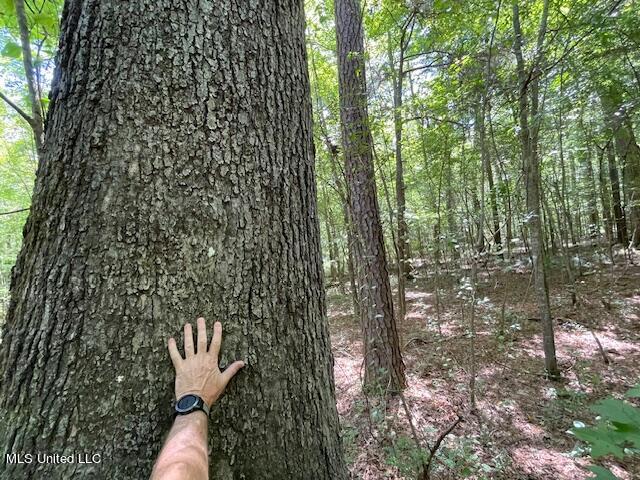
[602,473]
[12,50]
[634,392]
[47,20]
[7,7]
[603,441]
[617,430]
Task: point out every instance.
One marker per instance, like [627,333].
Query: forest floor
[520,427]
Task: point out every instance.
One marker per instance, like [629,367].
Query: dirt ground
[520,427]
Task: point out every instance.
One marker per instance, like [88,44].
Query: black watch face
[186,402]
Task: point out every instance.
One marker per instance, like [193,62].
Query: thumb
[231,370]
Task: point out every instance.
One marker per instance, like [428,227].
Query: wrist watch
[190,403]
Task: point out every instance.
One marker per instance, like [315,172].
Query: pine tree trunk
[178,181]
[384,368]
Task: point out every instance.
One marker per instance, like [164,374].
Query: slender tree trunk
[564,195]
[420,240]
[36,120]
[605,196]
[331,246]
[528,139]
[507,201]
[493,199]
[178,181]
[551,231]
[486,113]
[576,207]
[618,212]
[355,299]
[384,369]
[566,257]
[403,266]
[592,196]
[484,159]
[338,178]
[452,222]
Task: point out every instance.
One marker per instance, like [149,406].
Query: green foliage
[17,151]
[617,429]
[461,457]
[17,172]
[349,437]
[12,50]
[616,432]
[602,473]
[405,455]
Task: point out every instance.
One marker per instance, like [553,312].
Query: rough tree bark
[384,368]
[528,87]
[178,181]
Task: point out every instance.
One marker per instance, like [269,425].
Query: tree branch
[20,112]
[37,123]
[436,446]
[15,211]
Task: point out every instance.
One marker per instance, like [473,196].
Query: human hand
[198,372]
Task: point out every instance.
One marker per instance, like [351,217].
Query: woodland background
[464,127]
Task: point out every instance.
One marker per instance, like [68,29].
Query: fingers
[202,336]
[216,340]
[188,341]
[176,358]
[231,370]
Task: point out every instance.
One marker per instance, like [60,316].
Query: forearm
[184,455]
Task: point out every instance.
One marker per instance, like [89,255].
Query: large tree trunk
[529,141]
[383,363]
[177,181]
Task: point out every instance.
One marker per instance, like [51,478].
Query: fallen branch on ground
[434,449]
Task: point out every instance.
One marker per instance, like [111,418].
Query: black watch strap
[190,403]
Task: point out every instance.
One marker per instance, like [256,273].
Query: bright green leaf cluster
[617,430]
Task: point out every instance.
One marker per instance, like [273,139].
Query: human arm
[184,455]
